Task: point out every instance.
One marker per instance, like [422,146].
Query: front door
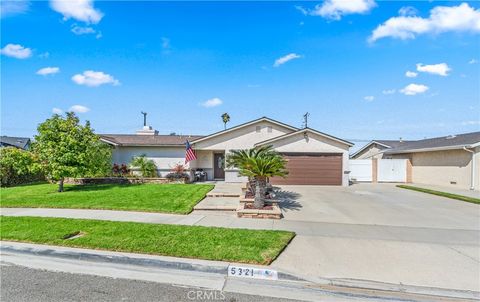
[219,166]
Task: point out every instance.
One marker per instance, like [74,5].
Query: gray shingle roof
[148,140]
[451,141]
[19,142]
[392,143]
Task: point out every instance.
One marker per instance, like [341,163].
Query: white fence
[392,170]
[387,170]
[360,170]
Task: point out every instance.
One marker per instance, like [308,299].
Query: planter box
[274,213]
[119,180]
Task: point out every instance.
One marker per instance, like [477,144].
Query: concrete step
[218,204]
[222,194]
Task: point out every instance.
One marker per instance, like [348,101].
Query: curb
[49,251]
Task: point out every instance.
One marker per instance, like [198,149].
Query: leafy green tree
[225,119]
[146,166]
[258,165]
[66,148]
[18,166]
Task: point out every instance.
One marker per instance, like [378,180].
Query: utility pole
[305,120]
[144,118]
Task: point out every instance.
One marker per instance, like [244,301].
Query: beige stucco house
[452,160]
[312,157]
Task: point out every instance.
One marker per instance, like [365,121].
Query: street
[25,284]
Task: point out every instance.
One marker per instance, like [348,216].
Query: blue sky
[186,63]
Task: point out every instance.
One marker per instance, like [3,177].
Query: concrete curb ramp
[288,285]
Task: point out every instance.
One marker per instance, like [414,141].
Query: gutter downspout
[472,176]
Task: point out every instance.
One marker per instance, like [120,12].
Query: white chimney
[147,130]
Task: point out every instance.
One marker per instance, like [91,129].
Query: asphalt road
[25,284]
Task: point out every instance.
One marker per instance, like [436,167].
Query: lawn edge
[442,194]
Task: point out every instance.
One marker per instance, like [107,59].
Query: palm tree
[146,166]
[258,165]
[225,119]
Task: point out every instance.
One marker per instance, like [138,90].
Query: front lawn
[169,198]
[211,243]
[443,194]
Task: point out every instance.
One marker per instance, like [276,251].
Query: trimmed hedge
[18,166]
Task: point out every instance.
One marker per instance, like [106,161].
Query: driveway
[382,233]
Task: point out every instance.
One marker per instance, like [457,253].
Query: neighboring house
[17,142]
[374,149]
[313,157]
[449,160]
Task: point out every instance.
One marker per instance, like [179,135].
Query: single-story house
[17,142]
[452,160]
[313,157]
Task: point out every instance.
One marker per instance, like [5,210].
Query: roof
[147,140]
[302,131]
[19,142]
[382,142]
[468,140]
[262,119]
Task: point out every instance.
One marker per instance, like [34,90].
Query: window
[269,129]
[258,129]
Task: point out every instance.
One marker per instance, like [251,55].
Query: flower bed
[119,180]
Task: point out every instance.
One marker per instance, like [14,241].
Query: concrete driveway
[382,233]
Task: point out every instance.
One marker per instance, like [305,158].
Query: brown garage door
[311,169]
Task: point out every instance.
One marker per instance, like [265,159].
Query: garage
[312,169]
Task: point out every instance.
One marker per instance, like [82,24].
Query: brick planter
[274,213]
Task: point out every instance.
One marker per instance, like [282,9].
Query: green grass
[443,194]
[239,245]
[169,198]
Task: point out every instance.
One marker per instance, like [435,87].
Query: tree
[225,119]
[66,148]
[146,166]
[258,165]
[18,166]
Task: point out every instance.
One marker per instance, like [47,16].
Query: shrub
[18,167]
[177,173]
[120,170]
[146,166]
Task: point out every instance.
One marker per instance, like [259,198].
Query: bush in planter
[120,170]
[146,166]
[18,167]
[178,173]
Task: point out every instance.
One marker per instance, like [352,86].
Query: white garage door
[392,170]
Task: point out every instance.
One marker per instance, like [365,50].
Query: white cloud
[57,111]
[212,103]
[335,9]
[10,8]
[79,109]
[16,51]
[80,30]
[81,10]
[389,91]
[411,74]
[285,59]
[461,18]
[441,69]
[407,11]
[470,123]
[473,61]
[94,78]
[165,43]
[413,89]
[44,55]
[48,70]
[369,98]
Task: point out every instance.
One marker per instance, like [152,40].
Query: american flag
[189,154]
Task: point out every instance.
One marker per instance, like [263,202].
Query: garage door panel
[325,169]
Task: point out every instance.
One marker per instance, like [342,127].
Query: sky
[363,69]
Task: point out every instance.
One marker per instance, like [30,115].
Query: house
[313,157]
[452,160]
[17,142]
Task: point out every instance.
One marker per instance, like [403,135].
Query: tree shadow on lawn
[287,200]
[93,188]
